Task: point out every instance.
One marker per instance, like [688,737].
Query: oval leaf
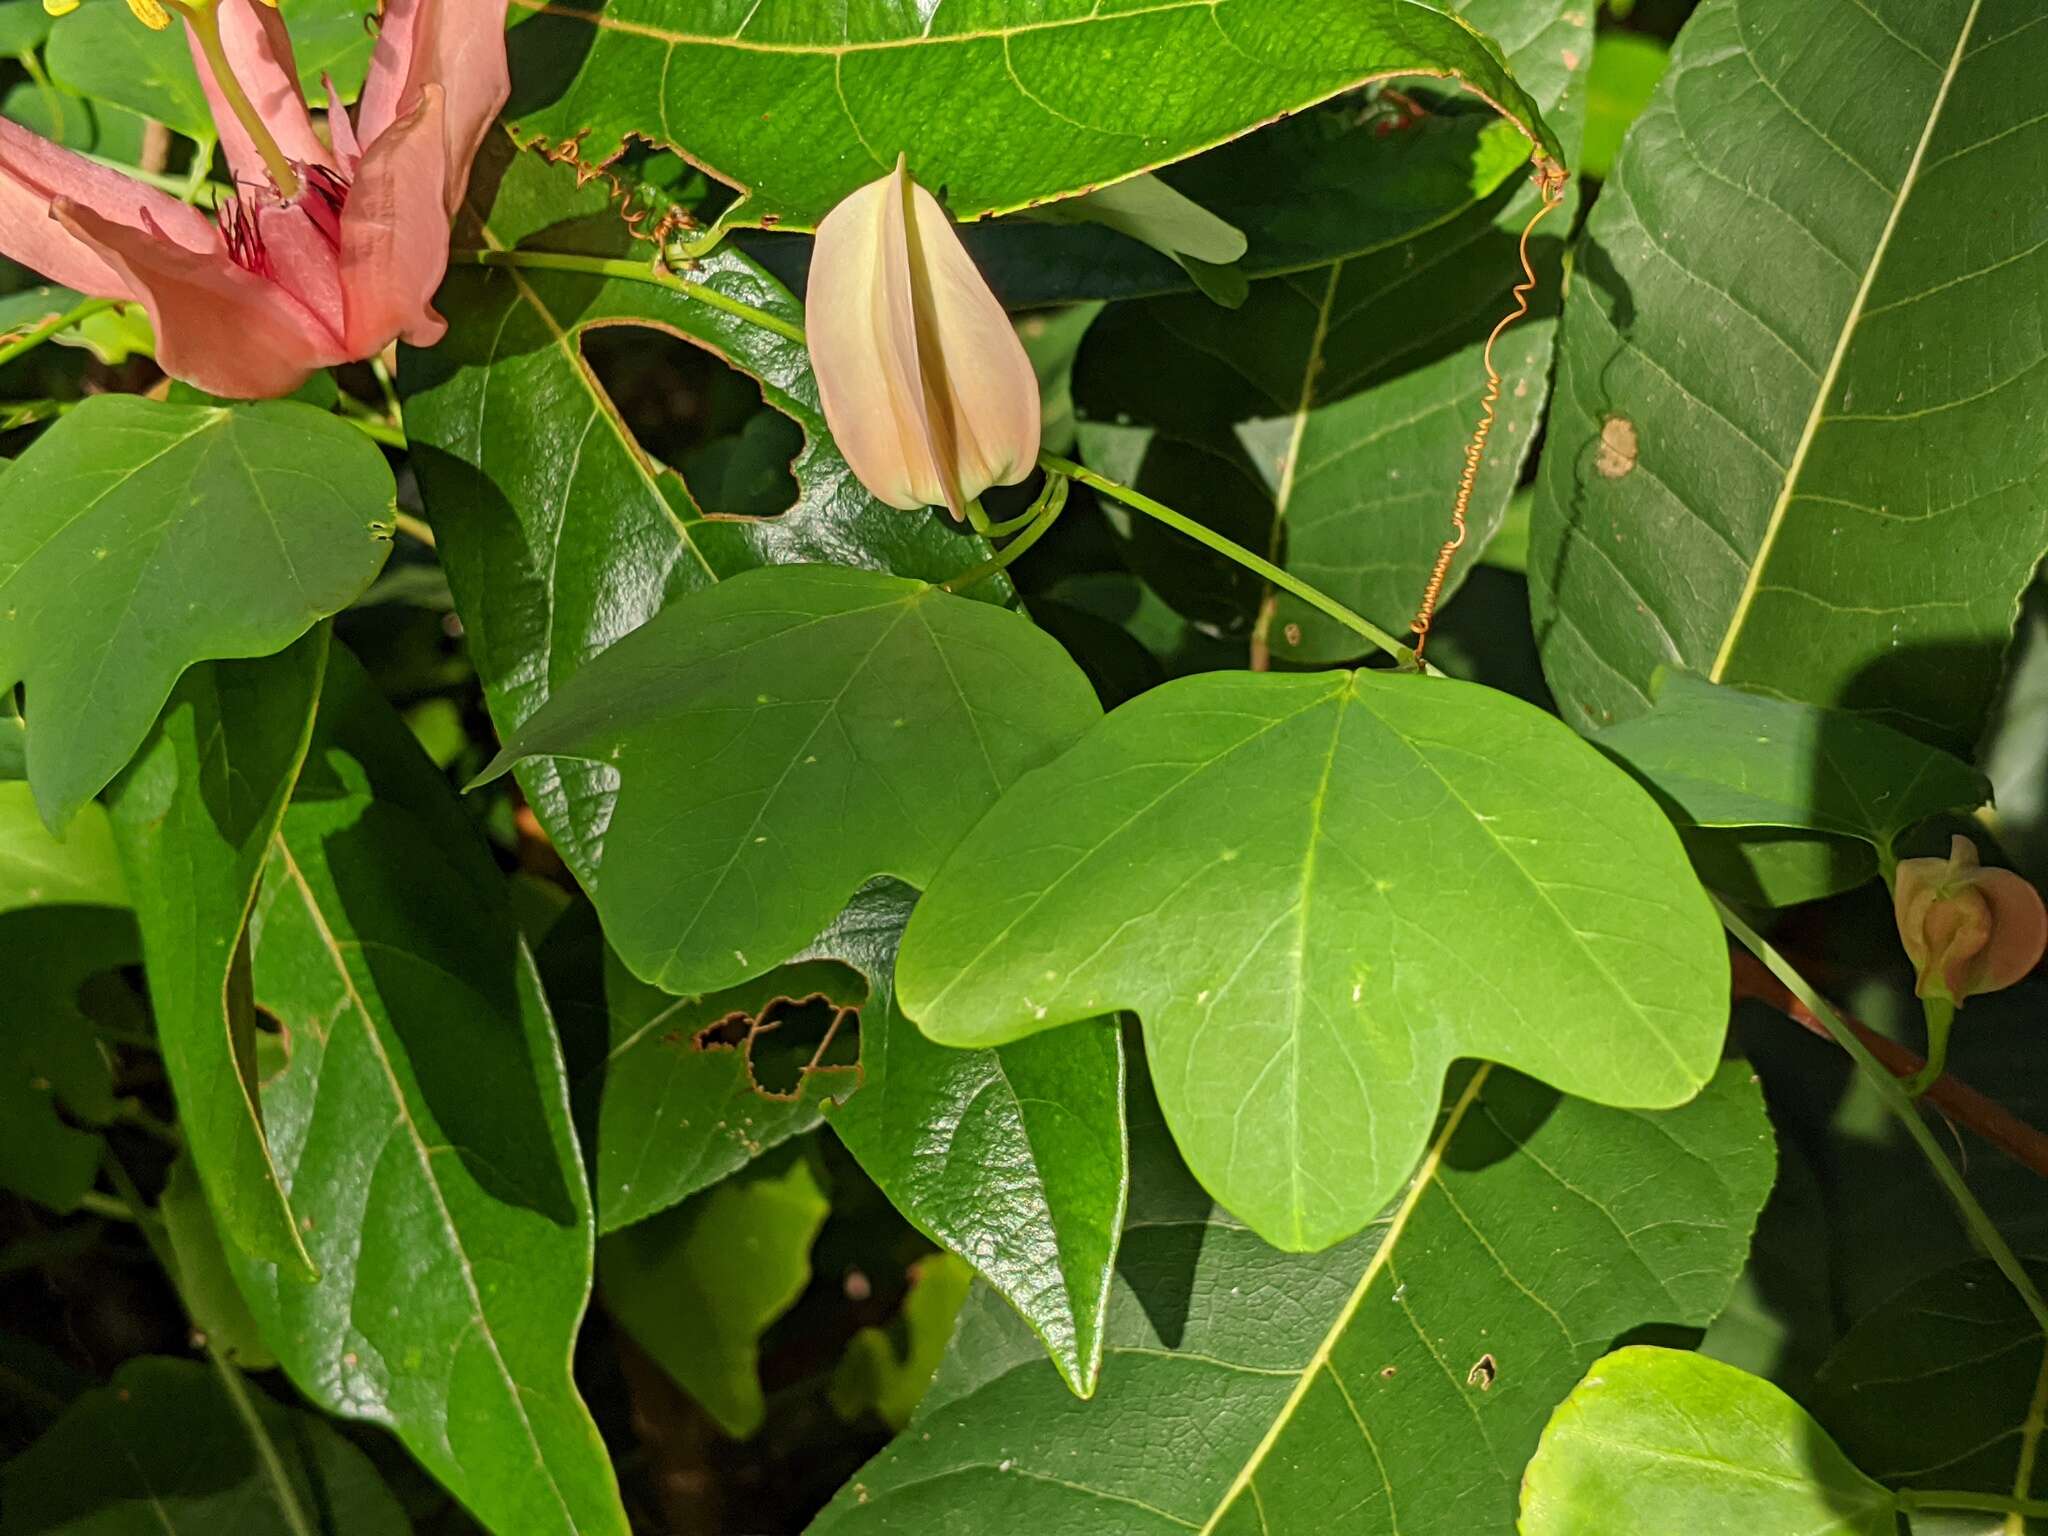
[125,520]
[780,739]
[1317,891]
[1663,1440]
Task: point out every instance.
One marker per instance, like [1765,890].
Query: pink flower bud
[1967,929]
[925,386]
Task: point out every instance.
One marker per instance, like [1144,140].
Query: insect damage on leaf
[836,1054]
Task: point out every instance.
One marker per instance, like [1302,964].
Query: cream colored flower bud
[925,385]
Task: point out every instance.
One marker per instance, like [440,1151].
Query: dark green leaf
[200,1271]
[195,818]
[1785,450]
[48,1056]
[422,1127]
[172,1448]
[38,870]
[1662,1440]
[697,1287]
[1722,757]
[672,1117]
[104,53]
[23,26]
[558,532]
[143,538]
[93,128]
[1322,419]
[1281,876]
[1014,1158]
[775,741]
[1395,1383]
[1941,1386]
[1004,105]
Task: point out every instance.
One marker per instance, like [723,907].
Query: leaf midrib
[1382,1258]
[1825,389]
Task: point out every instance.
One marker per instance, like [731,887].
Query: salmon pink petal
[34,172]
[260,52]
[298,255]
[346,149]
[456,44]
[2019,929]
[394,239]
[225,330]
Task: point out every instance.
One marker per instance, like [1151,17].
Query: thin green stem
[76,315]
[1940,1014]
[1911,1499]
[634,272]
[93,1203]
[390,389]
[1892,1094]
[414,528]
[1053,499]
[1287,582]
[289,1503]
[988,530]
[376,430]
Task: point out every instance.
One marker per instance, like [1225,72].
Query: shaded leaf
[1003,104]
[1783,451]
[200,1271]
[125,515]
[1658,1439]
[195,817]
[421,1124]
[1245,1389]
[1721,757]
[1939,1387]
[1626,69]
[49,1058]
[1014,1158]
[873,1376]
[697,1287]
[781,738]
[1282,876]
[169,1449]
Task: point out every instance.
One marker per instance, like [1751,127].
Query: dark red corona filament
[244,236]
[324,196]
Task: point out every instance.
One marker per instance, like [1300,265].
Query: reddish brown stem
[1950,1094]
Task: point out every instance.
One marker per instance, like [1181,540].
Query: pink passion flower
[330,251]
[1967,929]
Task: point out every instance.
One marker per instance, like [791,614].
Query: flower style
[1967,929]
[925,386]
[330,251]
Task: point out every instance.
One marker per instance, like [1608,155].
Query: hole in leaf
[791,1039]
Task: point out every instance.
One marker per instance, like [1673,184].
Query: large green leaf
[1004,103]
[558,532]
[781,738]
[142,538]
[194,818]
[1323,418]
[49,1060]
[1724,757]
[1662,1440]
[671,1115]
[1785,451]
[1940,1387]
[103,53]
[422,1127]
[37,869]
[1395,1383]
[1317,891]
[1015,1158]
[696,1287]
[171,1448]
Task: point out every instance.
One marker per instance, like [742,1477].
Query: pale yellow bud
[925,386]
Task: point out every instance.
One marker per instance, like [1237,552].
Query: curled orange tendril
[1550,179]
[633,212]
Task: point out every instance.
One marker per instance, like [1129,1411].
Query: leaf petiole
[633,272]
[76,315]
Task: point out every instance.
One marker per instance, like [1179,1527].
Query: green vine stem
[1045,511]
[1280,578]
[633,272]
[1892,1093]
[1941,1015]
[1914,1499]
[76,315]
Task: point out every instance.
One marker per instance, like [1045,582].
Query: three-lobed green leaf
[126,519]
[1317,891]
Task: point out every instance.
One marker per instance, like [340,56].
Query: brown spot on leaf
[1618,444]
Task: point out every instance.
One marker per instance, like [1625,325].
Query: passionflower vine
[925,386]
[1967,929]
[331,249]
